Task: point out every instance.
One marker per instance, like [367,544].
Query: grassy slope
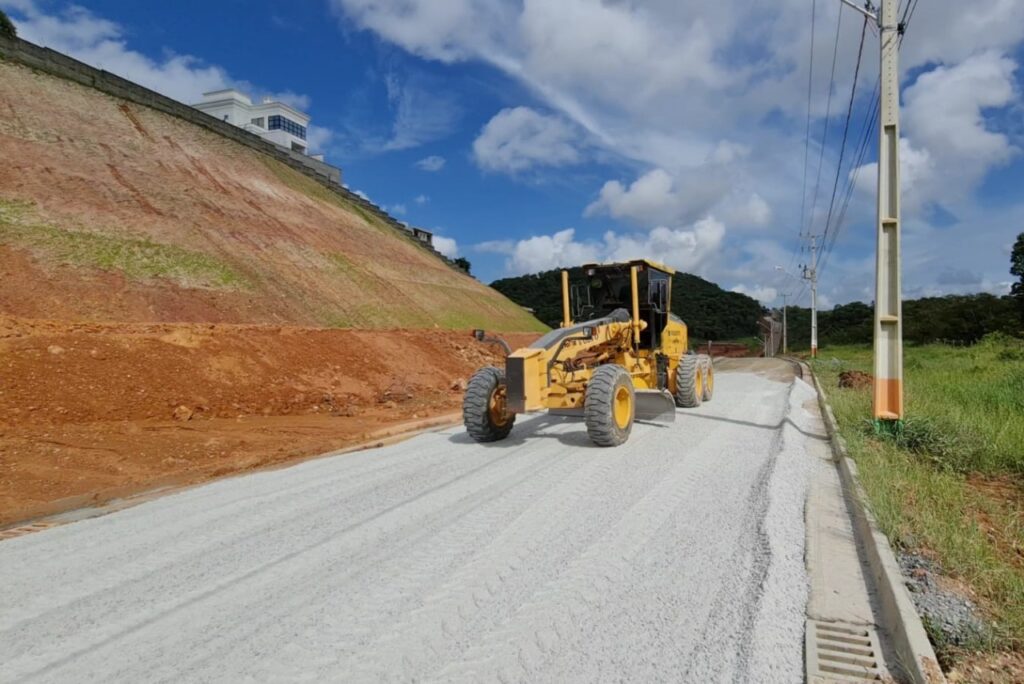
[199,227]
[930,489]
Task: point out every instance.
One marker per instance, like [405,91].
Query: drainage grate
[842,652]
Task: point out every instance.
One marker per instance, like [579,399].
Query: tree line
[710,312]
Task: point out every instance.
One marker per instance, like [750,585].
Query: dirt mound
[111,211]
[855,380]
[91,408]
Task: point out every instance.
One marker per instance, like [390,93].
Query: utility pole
[785,349]
[888,404]
[888,366]
[811,274]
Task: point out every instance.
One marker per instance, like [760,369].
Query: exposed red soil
[98,410]
[855,380]
[732,350]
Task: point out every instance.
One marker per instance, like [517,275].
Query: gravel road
[677,557]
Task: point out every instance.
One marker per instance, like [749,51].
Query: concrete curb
[899,617]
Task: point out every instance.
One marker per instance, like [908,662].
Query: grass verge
[951,485]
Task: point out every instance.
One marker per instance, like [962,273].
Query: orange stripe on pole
[888,399]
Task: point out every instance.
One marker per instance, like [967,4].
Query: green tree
[7,26]
[463,263]
[1017,269]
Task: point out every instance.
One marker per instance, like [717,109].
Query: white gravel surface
[677,557]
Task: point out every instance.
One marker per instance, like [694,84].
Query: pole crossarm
[863,10]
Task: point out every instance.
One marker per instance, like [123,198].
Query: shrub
[7,26]
[925,437]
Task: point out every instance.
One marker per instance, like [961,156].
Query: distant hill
[710,312]
[112,211]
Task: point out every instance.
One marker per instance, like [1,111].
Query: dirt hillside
[97,410]
[115,212]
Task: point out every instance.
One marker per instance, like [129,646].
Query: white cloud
[292,99]
[423,112]
[683,248]
[658,197]
[100,42]
[765,295]
[421,199]
[948,146]
[432,163]
[545,252]
[397,209]
[447,246]
[318,138]
[520,138]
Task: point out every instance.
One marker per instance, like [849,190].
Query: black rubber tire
[689,368]
[709,378]
[598,403]
[476,414]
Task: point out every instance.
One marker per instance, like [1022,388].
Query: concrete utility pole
[888,297]
[785,348]
[811,274]
[888,400]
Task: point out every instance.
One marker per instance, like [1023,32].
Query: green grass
[965,423]
[136,258]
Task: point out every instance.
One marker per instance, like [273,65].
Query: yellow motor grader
[619,355]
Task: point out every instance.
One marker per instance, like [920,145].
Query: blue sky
[578,130]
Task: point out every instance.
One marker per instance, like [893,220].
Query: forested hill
[710,312]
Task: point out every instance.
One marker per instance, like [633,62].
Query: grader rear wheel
[609,405]
[689,381]
[483,408]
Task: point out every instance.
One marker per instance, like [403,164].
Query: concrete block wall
[58,64]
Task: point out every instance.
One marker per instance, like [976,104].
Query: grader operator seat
[606,288]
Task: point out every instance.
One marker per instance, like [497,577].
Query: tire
[709,378]
[689,381]
[609,405]
[478,406]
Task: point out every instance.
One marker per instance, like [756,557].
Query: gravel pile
[952,619]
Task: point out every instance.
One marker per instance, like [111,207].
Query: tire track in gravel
[157,584]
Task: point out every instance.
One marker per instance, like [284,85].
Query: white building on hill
[275,121]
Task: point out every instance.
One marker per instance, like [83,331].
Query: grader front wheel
[609,405]
[483,408]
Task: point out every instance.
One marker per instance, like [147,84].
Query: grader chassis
[619,355]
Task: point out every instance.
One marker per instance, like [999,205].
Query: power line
[846,127]
[867,131]
[828,116]
[807,132]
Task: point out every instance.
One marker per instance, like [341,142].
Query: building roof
[215,97]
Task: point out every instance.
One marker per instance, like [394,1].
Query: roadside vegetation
[951,486]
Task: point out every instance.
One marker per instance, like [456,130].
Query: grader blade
[655,405]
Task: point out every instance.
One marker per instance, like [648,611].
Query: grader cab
[619,355]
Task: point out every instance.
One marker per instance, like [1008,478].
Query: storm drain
[842,652]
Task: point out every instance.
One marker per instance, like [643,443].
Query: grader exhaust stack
[620,356]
